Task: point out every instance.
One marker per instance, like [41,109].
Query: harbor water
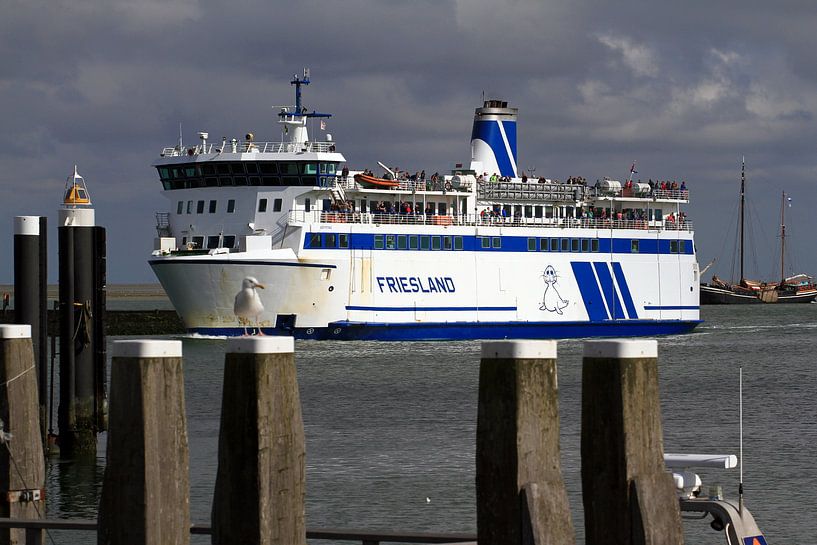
[390,427]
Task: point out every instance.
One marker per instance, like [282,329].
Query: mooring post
[629,497]
[83,406]
[260,482]
[31,296]
[521,497]
[146,488]
[22,464]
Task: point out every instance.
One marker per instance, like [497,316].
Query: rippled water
[391,424]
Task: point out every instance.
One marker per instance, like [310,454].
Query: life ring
[448,186]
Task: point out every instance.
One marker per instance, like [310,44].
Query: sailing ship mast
[742,199]
[782,238]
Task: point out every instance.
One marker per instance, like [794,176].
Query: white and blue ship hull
[472,293]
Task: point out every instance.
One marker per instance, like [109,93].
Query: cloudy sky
[684,88]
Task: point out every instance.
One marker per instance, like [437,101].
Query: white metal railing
[475,220]
[529,191]
[249,147]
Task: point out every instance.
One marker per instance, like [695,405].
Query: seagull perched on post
[248,303]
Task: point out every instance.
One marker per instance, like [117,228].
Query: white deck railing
[249,147]
[302,217]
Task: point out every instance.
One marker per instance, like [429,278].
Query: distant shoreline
[112,291]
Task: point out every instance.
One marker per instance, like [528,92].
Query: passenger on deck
[683,185]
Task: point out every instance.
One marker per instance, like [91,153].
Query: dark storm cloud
[685,88]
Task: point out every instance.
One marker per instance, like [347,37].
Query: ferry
[483,252]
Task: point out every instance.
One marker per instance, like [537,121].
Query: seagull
[248,303]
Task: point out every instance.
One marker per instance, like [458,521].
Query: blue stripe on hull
[351,331]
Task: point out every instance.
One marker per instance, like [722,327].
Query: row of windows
[417,242]
[244,167]
[456,242]
[562,244]
[276,205]
[212,207]
[230,181]
[213,241]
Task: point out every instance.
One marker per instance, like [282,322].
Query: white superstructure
[459,256]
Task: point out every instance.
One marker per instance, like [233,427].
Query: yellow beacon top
[76,194]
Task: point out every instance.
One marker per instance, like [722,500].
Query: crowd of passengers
[600,213]
[437,182]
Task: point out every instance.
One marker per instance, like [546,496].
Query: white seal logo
[551,300]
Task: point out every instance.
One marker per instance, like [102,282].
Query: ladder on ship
[338,195]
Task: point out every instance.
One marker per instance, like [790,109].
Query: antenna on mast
[181,146]
[740,485]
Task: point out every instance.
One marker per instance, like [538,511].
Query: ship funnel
[493,139]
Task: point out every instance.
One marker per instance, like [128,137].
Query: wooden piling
[22,466]
[260,482]
[146,491]
[628,495]
[521,497]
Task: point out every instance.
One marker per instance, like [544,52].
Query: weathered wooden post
[146,489]
[521,497]
[629,497]
[22,466]
[260,482]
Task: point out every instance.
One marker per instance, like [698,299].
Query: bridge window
[401,242]
[200,207]
[252,168]
[237,168]
[343,240]
[425,242]
[212,242]
[447,242]
[288,168]
[228,241]
[414,242]
[594,245]
[180,207]
[634,246]
[485,242]
[682,246]
[223,168]
[574,245]
[673,246]
[240,180]
[544,245]
[531,244]
[378,242]
[309,168]
[270,180]
[198,242]
[565,246]
[390,242]
[457,243]
[314,240]
[269,168]
[435,243]
[331,240]
[213,205]
[276,205]
[585,245]
[189,207]
[231,206]
[554,245]
[496,242]
[262,205]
